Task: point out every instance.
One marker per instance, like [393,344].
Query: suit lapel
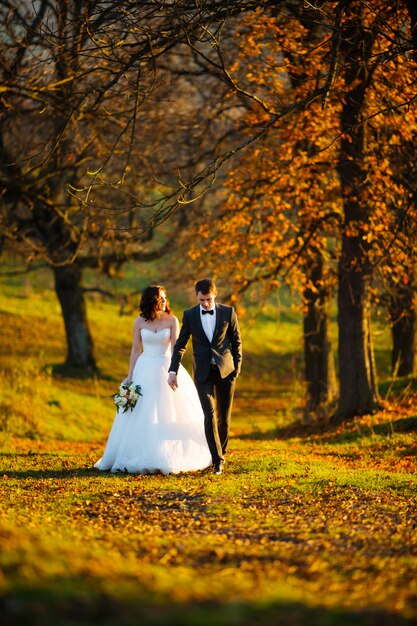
[198,322]
[218,315]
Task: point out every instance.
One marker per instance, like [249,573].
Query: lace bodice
[156,344]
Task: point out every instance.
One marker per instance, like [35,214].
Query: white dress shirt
[208,322]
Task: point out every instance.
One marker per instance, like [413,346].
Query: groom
[217,357]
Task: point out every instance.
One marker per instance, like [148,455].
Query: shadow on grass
[63,474]
[40,608]
[399,387]
[295,429]
[385,429]
[62,370]
[88,472]
[402,425]
[330,432]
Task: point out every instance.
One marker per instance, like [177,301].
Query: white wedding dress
[165,430]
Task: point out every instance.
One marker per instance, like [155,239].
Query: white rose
[122,391]
[122,402]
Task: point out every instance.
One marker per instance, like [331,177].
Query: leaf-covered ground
[316,528]
[308,524]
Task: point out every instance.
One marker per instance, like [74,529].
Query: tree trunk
[358,386]
[319,364]
[357,373]
[79,342]
[402,311]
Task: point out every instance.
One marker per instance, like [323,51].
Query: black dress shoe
[218,468]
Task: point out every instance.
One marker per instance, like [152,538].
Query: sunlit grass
[309,524]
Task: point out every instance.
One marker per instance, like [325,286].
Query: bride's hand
[172,381]
[126,382]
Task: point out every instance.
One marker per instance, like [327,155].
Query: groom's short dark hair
[205,286]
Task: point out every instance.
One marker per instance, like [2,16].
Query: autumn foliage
[327,185]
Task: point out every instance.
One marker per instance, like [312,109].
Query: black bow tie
[203,311]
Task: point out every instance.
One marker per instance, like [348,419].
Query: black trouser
[216,397]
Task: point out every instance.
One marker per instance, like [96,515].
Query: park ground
[311,523]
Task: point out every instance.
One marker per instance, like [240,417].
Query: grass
[309,524]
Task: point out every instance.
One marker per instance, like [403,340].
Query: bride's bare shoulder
[139,322]
[173,319]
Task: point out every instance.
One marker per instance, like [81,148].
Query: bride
[165,430]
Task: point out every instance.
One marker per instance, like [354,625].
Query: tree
[320,375]
[75,78]
[397,261]
[271,225]
[358,384]
[63,104]
[97,67]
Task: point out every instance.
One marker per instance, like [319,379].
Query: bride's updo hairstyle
[150,302]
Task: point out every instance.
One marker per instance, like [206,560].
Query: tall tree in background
[357,373]
[396,262]
[281,201]
[66,102]
[78,176]
[270,225]
[81,74]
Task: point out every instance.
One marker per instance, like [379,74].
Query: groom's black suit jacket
[225,347]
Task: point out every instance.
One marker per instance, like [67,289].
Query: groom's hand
[172,381]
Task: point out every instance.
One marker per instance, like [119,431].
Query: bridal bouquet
[127,397]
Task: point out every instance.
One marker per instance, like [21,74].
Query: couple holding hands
[177,425]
